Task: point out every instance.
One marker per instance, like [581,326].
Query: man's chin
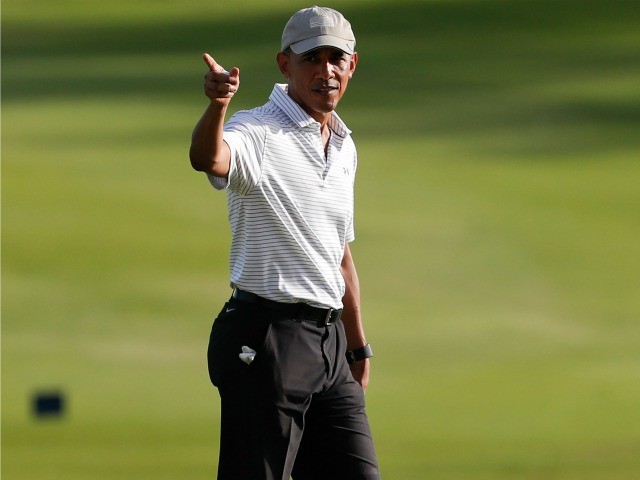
[327,106]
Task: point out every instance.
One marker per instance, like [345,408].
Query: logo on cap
[321,21]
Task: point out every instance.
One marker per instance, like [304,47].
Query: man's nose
[326,70]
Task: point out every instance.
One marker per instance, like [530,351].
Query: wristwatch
[359,354]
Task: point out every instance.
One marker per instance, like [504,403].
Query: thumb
[211,63]
[235,72]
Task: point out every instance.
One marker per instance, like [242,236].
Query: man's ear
[283,64]
[352,64]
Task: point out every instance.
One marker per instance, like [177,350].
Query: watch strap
[359,354]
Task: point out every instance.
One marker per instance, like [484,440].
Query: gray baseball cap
[316,27]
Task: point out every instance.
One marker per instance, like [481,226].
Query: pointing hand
[219,85]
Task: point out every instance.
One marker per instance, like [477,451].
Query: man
[288,351]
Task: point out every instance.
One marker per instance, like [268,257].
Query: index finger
[211,63]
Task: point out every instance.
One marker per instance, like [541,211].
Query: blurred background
[497,224]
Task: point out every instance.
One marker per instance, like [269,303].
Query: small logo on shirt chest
[346,171]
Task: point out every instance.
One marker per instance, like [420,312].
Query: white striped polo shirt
[290,207]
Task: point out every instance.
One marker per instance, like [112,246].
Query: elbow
[213,162]
[198,162]
[210,166]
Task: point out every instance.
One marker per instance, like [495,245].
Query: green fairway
[497,225]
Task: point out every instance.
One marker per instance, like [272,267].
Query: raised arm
[209,153]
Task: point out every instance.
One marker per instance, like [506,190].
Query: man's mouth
[326,89]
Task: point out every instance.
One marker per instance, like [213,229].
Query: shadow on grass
[426,68]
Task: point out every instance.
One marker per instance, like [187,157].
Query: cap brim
[309,44]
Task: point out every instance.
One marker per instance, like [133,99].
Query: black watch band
[358,354]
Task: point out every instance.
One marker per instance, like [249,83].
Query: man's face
[318,79]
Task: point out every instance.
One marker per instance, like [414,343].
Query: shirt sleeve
[245,135]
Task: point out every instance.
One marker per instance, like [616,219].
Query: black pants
[295,410]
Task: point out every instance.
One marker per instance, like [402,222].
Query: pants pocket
[237,325]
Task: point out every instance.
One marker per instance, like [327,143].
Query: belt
[299,311]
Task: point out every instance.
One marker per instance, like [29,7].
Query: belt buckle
[327,319]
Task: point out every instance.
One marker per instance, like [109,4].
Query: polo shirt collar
[281,98]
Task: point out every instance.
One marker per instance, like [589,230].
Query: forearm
[352,318]
[352,314]
[209,153]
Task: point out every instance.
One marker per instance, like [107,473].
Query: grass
[497,207]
